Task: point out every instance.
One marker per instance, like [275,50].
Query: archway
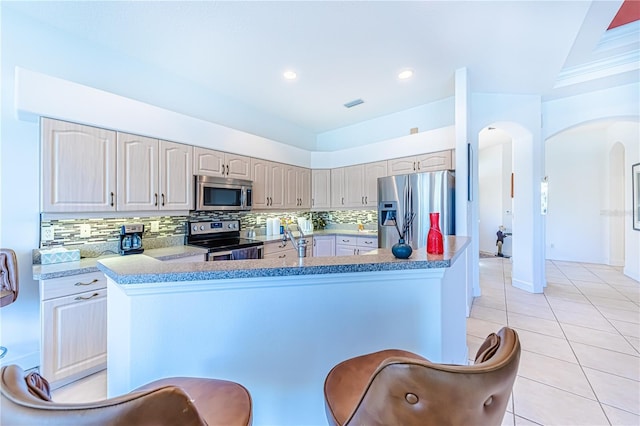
[523,187]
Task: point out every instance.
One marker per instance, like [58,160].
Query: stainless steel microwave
[216,193]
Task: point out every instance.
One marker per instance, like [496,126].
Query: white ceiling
[342,50]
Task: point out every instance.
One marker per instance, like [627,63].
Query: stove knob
[202,227]
[230,225]
[195,227]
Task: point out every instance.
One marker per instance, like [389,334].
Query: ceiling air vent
[354,103]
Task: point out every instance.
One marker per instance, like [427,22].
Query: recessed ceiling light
[405,74]
[290,75]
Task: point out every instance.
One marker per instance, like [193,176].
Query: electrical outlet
[369,216]
[47,234]
[155,226]
[259,220]
[85,230]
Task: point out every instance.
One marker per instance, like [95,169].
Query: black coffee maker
[131,238]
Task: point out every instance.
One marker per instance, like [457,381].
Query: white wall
[424,117]
[628,134]
[577,164]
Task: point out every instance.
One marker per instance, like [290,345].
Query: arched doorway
[523,188]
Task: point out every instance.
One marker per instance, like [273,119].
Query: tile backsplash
[68,232]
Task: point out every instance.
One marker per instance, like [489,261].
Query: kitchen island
[278,326]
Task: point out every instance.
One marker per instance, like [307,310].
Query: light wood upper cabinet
[268,184]
[337,187]
[352,186]
[373,171]
[78,168]
[434,161]
[153,174]
[176,176]
[218,163]
[321,188]
[359,184]
[298,187]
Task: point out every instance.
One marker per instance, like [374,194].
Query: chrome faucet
[300,244]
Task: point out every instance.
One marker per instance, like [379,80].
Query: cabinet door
[321,192]
[353,186]
[345,250]
[208,162]
[260,172]
[78,168]
[137,173]
[303,180]
[291,187]
[434,161]
[372,171]
[238,166]
[366,244]
[176,176]
[277,180]
[337,187]
[324,246]
[74,336]
[402,166]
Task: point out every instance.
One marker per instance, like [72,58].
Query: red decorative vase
[435,243]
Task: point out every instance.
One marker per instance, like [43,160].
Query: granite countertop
[90,264]
[137,269]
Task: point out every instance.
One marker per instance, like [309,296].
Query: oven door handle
[210,256]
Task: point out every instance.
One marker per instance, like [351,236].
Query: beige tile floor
[580,362]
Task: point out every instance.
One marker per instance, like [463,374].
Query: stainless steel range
[222,240]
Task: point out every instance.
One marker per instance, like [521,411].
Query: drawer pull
[282,256]
[368,242]
[80,283]
[87,298]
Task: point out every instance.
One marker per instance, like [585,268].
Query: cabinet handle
[345,241]
[112,194]
[155,203]
[87,298]
[354,252]
[368,242]
[366,200]
[418,165]
[282,256]
[227,170]
[163,199]
[80,283]
[342,200]
[313,201]
[362,200]
[414,166]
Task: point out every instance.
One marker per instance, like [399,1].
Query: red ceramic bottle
[435,243]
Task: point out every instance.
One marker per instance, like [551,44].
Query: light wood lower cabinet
[324,245]
[280,250]
[353,246]
[73,326]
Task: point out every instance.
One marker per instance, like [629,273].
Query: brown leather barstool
[8,282]
[25,400]
[394,387]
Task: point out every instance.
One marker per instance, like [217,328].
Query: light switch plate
[85,230]
[155,226]
[47,233]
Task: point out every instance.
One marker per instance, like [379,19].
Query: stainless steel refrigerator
[417,194]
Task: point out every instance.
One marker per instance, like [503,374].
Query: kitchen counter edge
[141,269]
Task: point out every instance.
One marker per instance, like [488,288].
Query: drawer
[288,253]
[275,247]
[75,284]
[349,241]
[368,242]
